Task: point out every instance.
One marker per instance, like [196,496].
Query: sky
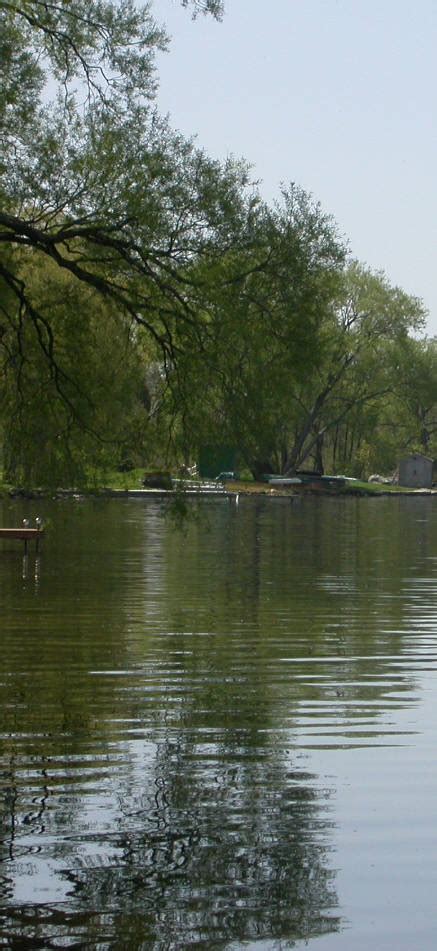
[338,96]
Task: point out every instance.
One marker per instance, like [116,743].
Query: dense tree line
[151,301]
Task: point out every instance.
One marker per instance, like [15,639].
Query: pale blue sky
[339,96]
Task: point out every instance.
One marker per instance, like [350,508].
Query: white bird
[26,523]
[38,522]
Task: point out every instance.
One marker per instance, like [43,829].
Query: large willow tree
[96,185]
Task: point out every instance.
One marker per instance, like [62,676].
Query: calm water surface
[223,737]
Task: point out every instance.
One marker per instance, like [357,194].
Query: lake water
[221,737]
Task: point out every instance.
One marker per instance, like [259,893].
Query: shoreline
[232,490]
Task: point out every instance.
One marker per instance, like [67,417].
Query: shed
[415,471]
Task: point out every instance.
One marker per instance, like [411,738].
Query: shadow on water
[163,697]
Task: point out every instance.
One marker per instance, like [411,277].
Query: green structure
[216,459]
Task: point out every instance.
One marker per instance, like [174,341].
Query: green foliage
[82,406]
[358,367]
[299,355]
[214,7]
[96,187]
[261,321]
[150,302]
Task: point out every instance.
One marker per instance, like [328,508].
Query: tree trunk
[318,455]
[260,467]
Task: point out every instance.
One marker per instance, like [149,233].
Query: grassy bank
[119,482]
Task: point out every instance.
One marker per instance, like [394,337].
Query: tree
[261,320]
[302,355]
[239,301]
[96,184]
[358,359]
[56,192]
[100,416]
[214,7]
[417,391]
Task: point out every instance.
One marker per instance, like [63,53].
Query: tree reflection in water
[157,796]
[194,869]
[211,843]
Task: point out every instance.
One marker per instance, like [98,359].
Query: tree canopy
[94,182]
[119,235]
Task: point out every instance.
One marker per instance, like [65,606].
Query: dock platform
[23,534]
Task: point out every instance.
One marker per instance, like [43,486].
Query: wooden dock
[23,534]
